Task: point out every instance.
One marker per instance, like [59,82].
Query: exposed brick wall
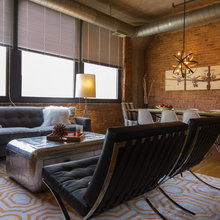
[102,116]
[204,42]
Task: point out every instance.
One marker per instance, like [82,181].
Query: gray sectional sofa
[21,122]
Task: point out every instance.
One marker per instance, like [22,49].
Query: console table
[25,157]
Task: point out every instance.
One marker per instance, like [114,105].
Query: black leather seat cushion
[72,179]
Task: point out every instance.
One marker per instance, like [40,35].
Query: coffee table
[25,157]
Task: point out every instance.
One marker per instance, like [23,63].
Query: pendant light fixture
[184,62]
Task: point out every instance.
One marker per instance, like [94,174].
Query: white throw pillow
[0,126]
[55,114]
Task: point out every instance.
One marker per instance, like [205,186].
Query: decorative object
[74,137]
[56,114]
[164,107]
[85,87]
[205,78]
[184,61]
[59,130]
[146,92]
[68,137]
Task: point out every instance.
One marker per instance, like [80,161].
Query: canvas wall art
[215,77]
[203,78]
[173,82]
[198,79]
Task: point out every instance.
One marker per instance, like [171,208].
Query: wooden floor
[210,165]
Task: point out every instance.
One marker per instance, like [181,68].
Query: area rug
[18,203]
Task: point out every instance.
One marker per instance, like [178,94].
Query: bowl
[164,108]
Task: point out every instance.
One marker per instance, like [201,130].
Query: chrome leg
[154,209]
[203,180]
[59,201]
[175,203]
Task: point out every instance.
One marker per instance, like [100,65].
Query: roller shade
[6,22]
[100,46]
[45,30]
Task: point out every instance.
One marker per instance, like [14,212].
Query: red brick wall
[204,42]
[102,115]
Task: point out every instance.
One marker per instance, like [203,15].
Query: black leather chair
[203,133]
[134,159]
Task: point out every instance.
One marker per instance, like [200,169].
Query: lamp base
[85,113]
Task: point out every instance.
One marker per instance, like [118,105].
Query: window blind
[45,30]
[6,22]
[100,46]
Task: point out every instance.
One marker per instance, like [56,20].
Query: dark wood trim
[15,25]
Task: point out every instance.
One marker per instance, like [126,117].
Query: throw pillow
[0,126]
[55,114]
[72,115]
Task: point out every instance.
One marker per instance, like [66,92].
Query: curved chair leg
[59,201]
[154,209]
[203,180]
[175,203]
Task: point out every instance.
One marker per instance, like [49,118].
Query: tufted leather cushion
[21,116]
[8,134]
[72,179]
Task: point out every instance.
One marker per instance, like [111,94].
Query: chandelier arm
[177,58]
[193,61]
[175,69]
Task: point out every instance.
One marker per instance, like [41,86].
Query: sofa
[24,121]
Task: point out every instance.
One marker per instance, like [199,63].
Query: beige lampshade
[85,85]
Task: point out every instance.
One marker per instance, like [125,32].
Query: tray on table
[70,137]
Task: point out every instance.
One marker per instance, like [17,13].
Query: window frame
[118,86]
[13,82]
[5,98]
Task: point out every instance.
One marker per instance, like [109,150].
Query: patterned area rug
[18,203]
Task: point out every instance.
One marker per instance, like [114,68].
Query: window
[47,76]
[2,71]
[106,80]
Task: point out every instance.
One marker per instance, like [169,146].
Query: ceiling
[140,12]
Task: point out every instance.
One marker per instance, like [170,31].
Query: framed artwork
[203,78]
[173,82]
[215,77]
[198,79]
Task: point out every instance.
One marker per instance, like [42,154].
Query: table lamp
[85,87]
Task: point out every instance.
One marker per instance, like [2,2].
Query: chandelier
[184,62]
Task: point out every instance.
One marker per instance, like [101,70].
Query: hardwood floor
[210,165]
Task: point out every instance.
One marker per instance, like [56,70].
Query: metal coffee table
[25,157]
